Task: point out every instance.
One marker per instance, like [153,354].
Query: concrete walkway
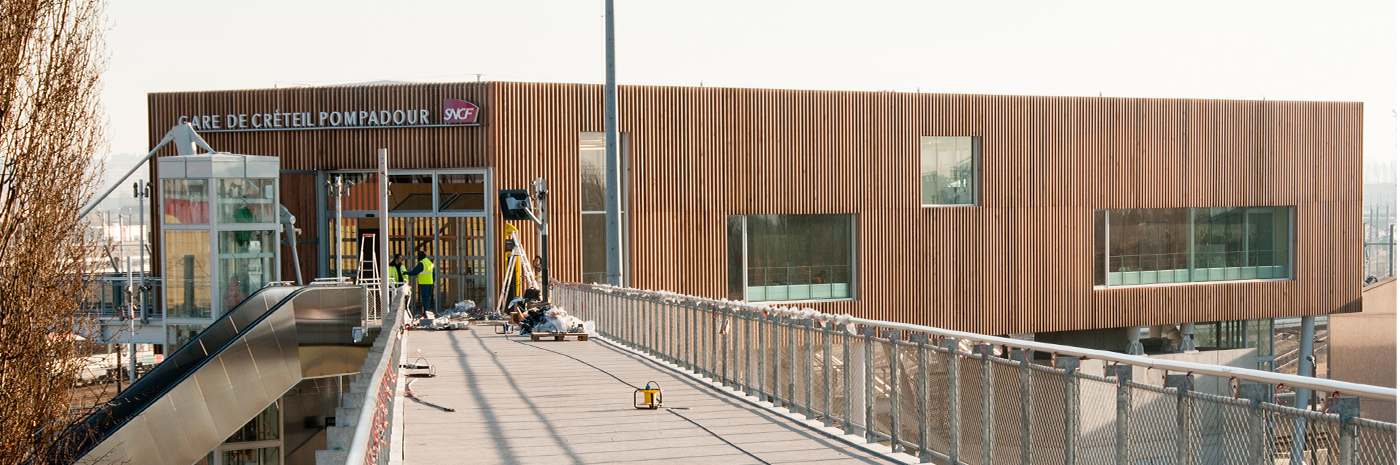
[518,402]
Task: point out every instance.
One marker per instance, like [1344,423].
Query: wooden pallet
[558,336]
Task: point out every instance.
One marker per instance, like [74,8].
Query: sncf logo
[459,111]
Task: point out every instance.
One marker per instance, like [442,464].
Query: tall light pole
[613,200]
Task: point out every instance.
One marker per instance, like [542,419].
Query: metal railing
[947,395]
[373,391]
[107,297]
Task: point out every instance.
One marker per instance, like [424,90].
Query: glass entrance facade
[441,214]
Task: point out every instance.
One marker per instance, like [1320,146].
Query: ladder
[518,258]
[368,272]
[367,275]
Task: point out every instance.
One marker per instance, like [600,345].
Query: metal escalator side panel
[216,391]
[135,445]
[272,343]
[186,401]
[258,304]
[252,362]
[325,317]
[178,364]
[162,421]
[248,390]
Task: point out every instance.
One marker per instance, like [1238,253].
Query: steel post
[1069,365]
[1122,445]
[807,368]
[954,400]
[1261,443]
[867,381]
[848,378]
[921,356]
[775,328]
[1349,409]
[826,372]
[383,236]
[613,191]
[725,328]
[1185,419]
[761,352]
[790,326]
[988,402]
[748,355]
[1303,396]
[893,383]
[1026,356]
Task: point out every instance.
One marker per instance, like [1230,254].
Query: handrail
[391,333]
[1317,384]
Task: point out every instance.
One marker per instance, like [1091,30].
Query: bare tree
[51,133]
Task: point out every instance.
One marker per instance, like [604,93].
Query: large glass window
[245,264]
[791,257]
[259,456]
[461,192]
[187,274]
[178,335]
[410,192]
[247,201]
[264,427]
[1239,334]
[1179,245]
[593,185]
[258,442]
[186,201]
[948,170]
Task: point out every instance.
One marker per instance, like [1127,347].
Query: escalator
[202,393]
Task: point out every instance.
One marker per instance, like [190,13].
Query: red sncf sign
[459,111]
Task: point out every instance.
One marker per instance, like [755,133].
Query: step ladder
[368,270]
[367,275]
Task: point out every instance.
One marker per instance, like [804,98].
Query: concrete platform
[522,402]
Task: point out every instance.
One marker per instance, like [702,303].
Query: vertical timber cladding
[1018,262]
[330,149]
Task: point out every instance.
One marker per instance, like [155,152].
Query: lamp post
[613,197]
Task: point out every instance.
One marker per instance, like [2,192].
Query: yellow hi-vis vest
[394,276]
[426,277]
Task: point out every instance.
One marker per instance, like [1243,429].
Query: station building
[1060,216]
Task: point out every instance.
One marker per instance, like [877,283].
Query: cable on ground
[670,409]
[408,391]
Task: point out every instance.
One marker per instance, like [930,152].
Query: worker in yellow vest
[424,271]
[397,272]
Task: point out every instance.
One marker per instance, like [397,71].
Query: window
[186,201]
[444,193]
[187,271]
[461,192]
[948,170]
[1239,334]
[410,192]
[1180,245]
[177,336]
[791,257]
[593,168]
[245,264]
[247,200]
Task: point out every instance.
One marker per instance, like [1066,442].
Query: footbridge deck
[518,401]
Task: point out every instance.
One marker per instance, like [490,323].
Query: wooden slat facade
[1020,261]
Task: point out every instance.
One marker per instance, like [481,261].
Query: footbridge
[746,383]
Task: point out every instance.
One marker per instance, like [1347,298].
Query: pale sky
[1275,50]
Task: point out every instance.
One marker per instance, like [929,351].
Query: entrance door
[442,214]
[457,248]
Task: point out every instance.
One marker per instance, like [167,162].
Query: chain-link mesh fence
[939,399]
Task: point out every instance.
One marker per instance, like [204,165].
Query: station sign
[454,112]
